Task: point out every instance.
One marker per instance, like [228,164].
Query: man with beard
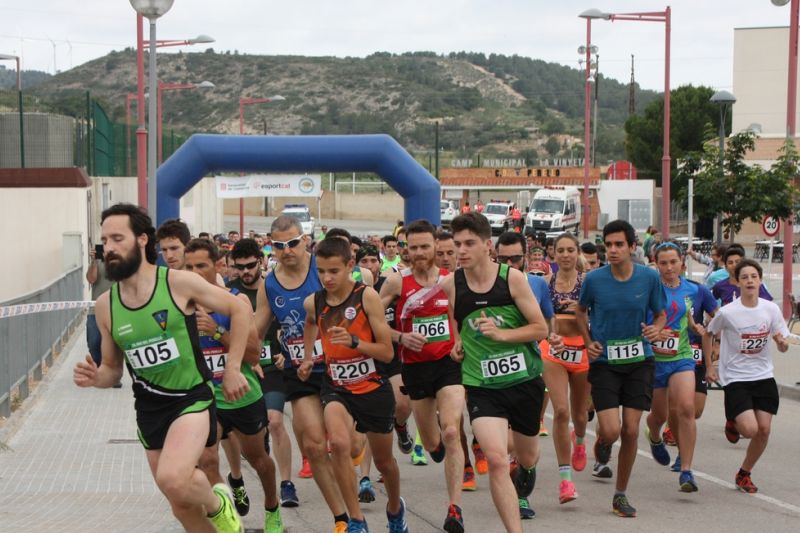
[245,418]
[247,260]
[431,378]
[281,296]
[172,237]
[148,321]
[402,250]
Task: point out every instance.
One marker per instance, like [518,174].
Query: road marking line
[708,477]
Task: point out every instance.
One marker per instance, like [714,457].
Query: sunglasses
[280,245]
[246,266]
[402,244]
[512,258]
[538,273]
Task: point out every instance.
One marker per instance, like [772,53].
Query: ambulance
[555,210]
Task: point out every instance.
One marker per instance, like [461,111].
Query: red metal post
[586,130]
[665,159]
[791,119]
[141,130]
[160,125]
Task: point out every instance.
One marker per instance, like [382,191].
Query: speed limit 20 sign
[771,226]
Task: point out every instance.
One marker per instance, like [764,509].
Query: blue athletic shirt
[542,293]
[617,310]
[680,301]
[207,341]
[716,276]
[287,306]
[703,303]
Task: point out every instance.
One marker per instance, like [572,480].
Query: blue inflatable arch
[381,154]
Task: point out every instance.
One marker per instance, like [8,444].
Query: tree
[552,145]
[739,191]
[692,115]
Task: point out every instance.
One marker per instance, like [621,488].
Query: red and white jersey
[424,310]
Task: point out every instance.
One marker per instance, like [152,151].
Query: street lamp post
[665,17]
[173,87]
[791,118]
[725,101]
[244,101]
[152,9]
[21,112]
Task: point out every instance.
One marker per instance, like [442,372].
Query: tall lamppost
[791,119]
[665,17]
[21,113]
[152,10]
[725,101]
[587,50]
[244,101]
[173,87]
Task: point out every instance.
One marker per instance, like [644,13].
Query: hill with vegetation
[486,105]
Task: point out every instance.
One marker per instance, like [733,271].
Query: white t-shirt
[745,350]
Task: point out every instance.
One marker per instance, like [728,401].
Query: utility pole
[632,92]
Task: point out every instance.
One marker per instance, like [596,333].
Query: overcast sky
[702,31]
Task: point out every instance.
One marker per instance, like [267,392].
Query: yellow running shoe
[340,527]
[226,520]
[273,523]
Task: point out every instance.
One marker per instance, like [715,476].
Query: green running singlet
[487,363]
[161,349]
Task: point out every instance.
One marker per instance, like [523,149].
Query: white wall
[34,222]
[760,68]
[200,207]
[612,190]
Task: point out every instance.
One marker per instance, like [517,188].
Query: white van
[555,210]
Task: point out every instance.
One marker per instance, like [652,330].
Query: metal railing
[28,342]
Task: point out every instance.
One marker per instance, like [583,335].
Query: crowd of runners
[367,338]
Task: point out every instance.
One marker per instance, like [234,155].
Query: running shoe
[543,430]
[745,484]
[404,440]
[469,480]
[397,523]
[566,491]
[622,507]
[340,527]
[481,464]
[273,523]
[524,481]
[357,526]
[240,498]
[658,449]
[418,456]
[438,454]
[366,494]
[454,523]
[305,471]
[590,415]
[687,482]
[602,452]
[578,455]
[226,520]
[676,466]
[669,437]
[289,494]
[731,433]
[602,470]
[526,512]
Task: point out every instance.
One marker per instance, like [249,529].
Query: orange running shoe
[305,472]
[578,455]
[669,438]
[469,480]
[566,491]
[481,464]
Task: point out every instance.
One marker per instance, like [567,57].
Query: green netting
[104,143]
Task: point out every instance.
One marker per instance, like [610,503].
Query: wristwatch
[219,332]
[354,341]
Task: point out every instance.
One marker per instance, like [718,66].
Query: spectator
[465,208]
[96,276]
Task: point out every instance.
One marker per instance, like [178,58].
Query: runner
[511,251]
[431,378]
[745,365]
[350,320]
[727,290]
[359,274]
[172,237]
[246,417]
[616,299]
[445,251]
[247,261]
[282,295]
[499,323]
[675,366]
[391,257]
[565,372]
[369,259]
[147,320]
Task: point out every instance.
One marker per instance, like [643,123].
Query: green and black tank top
[487,363]
[161,348]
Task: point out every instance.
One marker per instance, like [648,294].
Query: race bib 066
[433,328]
